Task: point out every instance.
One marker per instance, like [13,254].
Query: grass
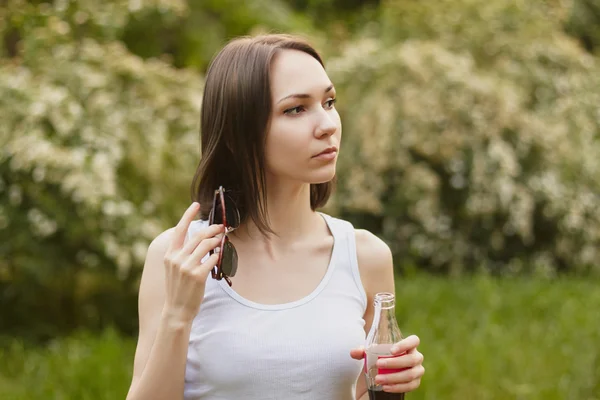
[483,339]
[490,339]
[83,367]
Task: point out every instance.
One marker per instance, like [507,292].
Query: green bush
[584,23]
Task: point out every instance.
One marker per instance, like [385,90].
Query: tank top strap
[344,232]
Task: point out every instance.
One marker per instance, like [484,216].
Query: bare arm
[158,371]
[377,275]
[171,290]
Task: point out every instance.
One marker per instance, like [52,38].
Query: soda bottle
[383,334]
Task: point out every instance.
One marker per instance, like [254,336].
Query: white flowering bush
[482,157]
[97,149]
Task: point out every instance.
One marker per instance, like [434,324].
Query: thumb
[358,353]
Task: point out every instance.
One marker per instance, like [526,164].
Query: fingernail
[381,364]
[379,379]
[395,349]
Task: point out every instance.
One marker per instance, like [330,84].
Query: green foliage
[472,24]
[584,23]
[77,19]
[192,40]
[482,339]
[338,17]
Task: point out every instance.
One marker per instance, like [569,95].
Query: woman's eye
[294,111]
[297,110]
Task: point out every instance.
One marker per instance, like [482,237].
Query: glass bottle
[383,334]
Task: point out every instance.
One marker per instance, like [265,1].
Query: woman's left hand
[411,362]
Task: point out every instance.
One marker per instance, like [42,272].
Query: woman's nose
[327,125]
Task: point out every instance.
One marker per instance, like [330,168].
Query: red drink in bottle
[383,334]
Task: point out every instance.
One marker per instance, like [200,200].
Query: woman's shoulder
[375,262]
[160,244]
[372,251]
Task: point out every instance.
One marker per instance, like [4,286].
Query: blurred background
[471,146]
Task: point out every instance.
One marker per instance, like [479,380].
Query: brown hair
[235,113]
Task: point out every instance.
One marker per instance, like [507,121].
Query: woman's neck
[288,214]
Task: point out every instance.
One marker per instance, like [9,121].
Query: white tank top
[239,349]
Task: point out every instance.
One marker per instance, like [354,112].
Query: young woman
[288,323]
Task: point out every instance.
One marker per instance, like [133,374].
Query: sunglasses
[224,212]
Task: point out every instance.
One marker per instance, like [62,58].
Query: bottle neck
[385,327]
[387,316]
[385,300]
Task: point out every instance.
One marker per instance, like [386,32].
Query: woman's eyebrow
[303,95]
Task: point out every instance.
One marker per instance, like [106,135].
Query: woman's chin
[322,176]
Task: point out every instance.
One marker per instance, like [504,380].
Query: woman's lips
[327,155]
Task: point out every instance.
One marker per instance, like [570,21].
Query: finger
[405,376]
[202,250]
[183,226]
[405,345]
[358,353]
[408,360]
[402,387]
[197,238]
[207,266]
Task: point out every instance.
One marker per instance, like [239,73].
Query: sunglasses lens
[217,214]
[230,259]
[232,214]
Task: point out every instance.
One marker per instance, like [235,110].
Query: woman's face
[304,121]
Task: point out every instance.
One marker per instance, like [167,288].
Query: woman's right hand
[185,274]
